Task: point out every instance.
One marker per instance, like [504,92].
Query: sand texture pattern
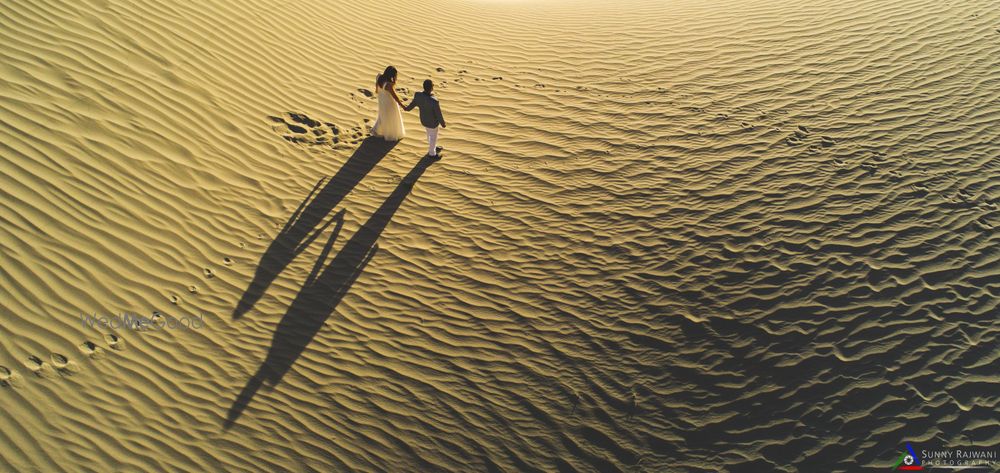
[665,235]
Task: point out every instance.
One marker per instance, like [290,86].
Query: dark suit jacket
[430,109]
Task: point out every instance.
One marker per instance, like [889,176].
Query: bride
[389,122]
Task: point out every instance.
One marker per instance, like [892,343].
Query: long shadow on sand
[305,224]
[322,291]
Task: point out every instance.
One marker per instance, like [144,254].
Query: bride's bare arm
[392,91]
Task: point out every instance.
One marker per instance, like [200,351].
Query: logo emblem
[908,461]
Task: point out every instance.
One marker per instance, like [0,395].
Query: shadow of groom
[304,225]
[322,292]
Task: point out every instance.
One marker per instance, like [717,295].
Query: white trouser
[432,140]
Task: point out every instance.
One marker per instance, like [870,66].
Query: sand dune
[665,236]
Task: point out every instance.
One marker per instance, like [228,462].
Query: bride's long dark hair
[387,76]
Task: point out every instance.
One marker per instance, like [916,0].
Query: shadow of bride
[305,223]
[322,292]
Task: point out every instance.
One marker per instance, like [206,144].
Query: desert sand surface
[665,235]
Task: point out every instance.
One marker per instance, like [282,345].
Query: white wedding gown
[389,122]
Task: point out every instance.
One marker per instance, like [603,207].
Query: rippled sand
[665,236]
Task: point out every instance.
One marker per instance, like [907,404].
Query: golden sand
[665,236]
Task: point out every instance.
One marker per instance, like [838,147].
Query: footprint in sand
[64,366]
[58,363]
[802,134]
[91,349]
[209,273]
[227,261]
[303,119]
[7,377]
[363,98]
[58,360]
[36,365]
[299,128]
[193,289]
[114,341]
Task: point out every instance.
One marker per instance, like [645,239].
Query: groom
[430,115]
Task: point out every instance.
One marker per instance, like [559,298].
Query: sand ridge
[685,236]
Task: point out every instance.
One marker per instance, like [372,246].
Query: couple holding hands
[389,122]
